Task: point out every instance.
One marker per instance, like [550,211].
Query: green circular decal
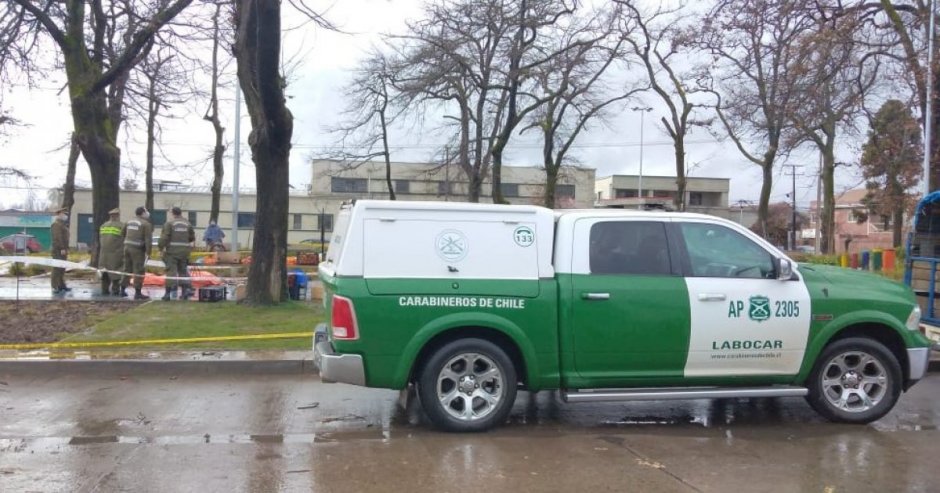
[524,236]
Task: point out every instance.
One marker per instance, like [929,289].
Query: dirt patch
[48,321]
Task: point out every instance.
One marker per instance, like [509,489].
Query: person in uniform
[60,249]
[137,248]
[111,253]
[176,242]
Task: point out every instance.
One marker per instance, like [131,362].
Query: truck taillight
[343,319]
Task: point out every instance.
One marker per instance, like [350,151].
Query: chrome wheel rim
[854,381]
[470,386]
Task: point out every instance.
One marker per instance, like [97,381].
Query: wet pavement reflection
[292,433]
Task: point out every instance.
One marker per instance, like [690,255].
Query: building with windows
[703,195]
[334,182]
[305,220]
[856,228]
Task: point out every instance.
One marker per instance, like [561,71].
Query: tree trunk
[68,189]
[92,125]
[679,201]
[828,221]
[934,174]
[763,205]
[388,157]
[497,174]
[551,182]
[257,50]
[218,152]
[153,107]
[475,184]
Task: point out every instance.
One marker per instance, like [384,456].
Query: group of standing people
[124,249]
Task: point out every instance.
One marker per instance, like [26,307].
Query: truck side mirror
[784,269]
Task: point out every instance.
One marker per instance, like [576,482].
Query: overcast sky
[315,99]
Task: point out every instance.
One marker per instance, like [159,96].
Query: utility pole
[236,165]
[639,188]
[792,242]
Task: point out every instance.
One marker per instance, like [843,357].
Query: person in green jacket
[137,248]
[111,253]
[176,242]
[60,249]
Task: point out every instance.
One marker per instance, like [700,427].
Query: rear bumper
[338,368]
[918,361]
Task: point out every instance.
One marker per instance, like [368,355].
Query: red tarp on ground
[198,278]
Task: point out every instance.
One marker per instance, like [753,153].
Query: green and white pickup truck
[471,302]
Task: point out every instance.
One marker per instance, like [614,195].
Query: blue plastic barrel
[866,257]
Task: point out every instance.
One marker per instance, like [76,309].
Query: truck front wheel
[467,385]
[855,380]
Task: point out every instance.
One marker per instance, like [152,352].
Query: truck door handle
[711,297]
[595,296]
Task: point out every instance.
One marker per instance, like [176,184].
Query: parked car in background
[9,243]
[806,249]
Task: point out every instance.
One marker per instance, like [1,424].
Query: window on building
[192,218]
[246,220]
[443,188]
[298,221]
[509,189]
[663,194]
[624,193]
[564,191]
[158,217]
[629,247]
[349,185]
[695,198]
[402,186]
[325,222]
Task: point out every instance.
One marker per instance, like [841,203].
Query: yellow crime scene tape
[67,345]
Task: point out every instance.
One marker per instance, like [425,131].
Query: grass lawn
[180,320]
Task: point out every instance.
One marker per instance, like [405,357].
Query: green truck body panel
[396,326]
[567,342]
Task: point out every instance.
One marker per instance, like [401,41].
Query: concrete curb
[122,367]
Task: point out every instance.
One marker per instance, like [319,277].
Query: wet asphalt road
[287,433]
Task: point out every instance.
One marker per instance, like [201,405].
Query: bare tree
[220,34]
[903,33]
[98,41]
[575,96]
[448,63]
[157,83]
[751,44]
[372,106]
[532,20]
[658,42]
[831,81]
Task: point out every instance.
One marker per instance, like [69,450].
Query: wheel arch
[495,329]
[877,330]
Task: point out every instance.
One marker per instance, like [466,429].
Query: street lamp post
[928,106]
[639,187]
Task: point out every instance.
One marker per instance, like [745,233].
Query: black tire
[485,386]
[882,367]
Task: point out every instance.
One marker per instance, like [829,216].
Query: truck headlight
[913,320]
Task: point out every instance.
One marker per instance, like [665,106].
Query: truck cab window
[718,251]
[629,247]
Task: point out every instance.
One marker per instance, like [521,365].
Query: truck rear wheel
[855,380]
[467,385]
